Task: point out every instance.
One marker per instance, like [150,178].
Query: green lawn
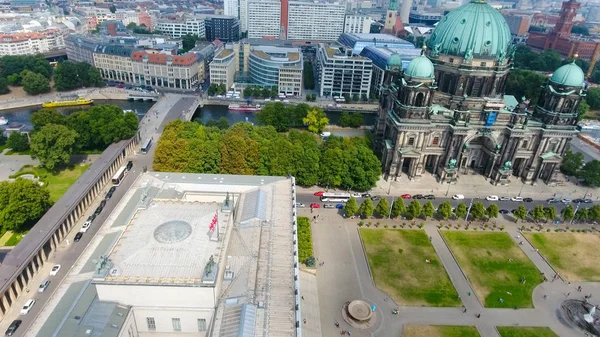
[11,152]
[397,261]
[439,331]
[57,183]
[510,331]
[485,259]
[574,255]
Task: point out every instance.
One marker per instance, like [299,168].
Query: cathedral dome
[394,61]
[420,67]
[569,75]
[475,29]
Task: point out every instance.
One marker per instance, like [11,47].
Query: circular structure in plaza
[359,314]
[581,315]
[172,231]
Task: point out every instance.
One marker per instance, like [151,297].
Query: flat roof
[57,214]
[224,53]
[165,243]
[378,37]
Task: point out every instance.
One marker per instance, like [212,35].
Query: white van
[27,307]
[326,134]
[458,197]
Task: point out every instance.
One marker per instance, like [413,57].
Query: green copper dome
[472,30]
[394,61]
[568,75]
[420,67]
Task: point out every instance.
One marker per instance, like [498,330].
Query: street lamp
[448,189]
[575,213]
[523,185]
[469,209]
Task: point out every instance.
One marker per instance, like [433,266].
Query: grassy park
[495,266]
[439,331]
[510,331]
[574,255]
[57,182]
[397,262]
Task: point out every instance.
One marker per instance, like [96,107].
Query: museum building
[447,114]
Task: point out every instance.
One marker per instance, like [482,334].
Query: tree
[11,67]
[4,86]
[492,211]
[594,213]
[366,208]
[72,75]
[538,213]
[428,209]
[34,83]
[189,41]
[568,213]
[17,142]
[398,207]
[550,213]
[275,114]
[353,120]
[478,210]
[590,173]
[583,214]
[351,207]
[582,30]
[316,119]
[383,208]
[592,97]
[131,25]
[583,108]
[461,210]
[44,117]
[309,76]
[347,98]
[53,145]
[572,162]
[221,123]
[355,98]
[444,210]
[22,203]
[414,209]
[113,9]
[525,83]
[520,213]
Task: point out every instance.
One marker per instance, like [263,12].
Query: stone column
[399,167]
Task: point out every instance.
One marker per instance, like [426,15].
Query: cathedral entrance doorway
[477,156]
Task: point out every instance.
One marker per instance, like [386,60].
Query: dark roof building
[221,27]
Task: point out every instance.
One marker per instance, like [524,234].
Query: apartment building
[222,27]
[164,70]
[264,18]
[360,24]
[315,21]
[231,8]
[181,26]
[114,62]
[340,71]
[222,68]
[32,42]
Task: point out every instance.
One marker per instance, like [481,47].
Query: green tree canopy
[523,82]
[492,211]
[189,41]
[53,145]
[583,108]
[34,83]
[594,213]
[478,210]
[572,162]
[352,120]
[383,208]
[461,210]
[590,173]
[366,208]
[414,209]
[4,86]
[568,213]
[445,210]
[44,117]
[22,203]
[282,116]
[316,119]
[582,30]
[14,65]
[538,213]
[113,9]
[73,75]
[17,142]
[428,209]
[550,213]
[593,98]
[398,207]
[351,207]
[520,213]
[583,214]
[221,123]
[309,76]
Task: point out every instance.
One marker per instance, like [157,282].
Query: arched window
[419,99]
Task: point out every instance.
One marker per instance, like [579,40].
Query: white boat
[3,121]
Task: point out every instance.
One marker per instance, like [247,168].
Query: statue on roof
[393,5]
[436,49]
[469,55]
[501,56]
[507,165]
[452,164]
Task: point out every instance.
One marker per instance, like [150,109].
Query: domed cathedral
[447,114]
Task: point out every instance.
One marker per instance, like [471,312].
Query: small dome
[569,75]
[475,28]
[420,67]
[394,61]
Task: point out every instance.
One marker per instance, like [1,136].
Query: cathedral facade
[447,114]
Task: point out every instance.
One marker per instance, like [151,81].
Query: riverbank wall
[95,94]
[325,105]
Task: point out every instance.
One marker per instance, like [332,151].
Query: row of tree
[260,92]
[351,120]
[216,89]
[309,76]
[22,203]
[282,116]
[252,150]
[573,165]
[311,97]
[74,75]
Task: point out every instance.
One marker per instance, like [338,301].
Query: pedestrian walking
[478,315]
[569,293]
[469,293]
[464,310]
[337,325]
[302,297]
[304,320]
[545,296]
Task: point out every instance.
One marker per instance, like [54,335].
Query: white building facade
[315,21]
[223,67]
[340,72]
[231,8]
[264,18]
[360,24]
[182,27]
[32,43]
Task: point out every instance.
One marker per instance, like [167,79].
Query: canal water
[204,114]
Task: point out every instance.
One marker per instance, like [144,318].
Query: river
[203,114]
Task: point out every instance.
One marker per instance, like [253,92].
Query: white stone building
[264,18]
[359,24]
[315,21]
[181,26]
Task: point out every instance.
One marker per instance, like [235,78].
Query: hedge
[304,239]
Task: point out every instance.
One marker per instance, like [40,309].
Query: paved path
[345,276]
[11,164]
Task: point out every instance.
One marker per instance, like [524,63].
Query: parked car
[552,200]
[110,193]
[13,327]
[517,199]
[577,201]
[527,200]
[458,197]
[566,201]
[329,206]
[587,201]
[103,203]
[129,165]
[319,193]
[78,236]
[300,205]
[98,210]
[492,198]
[43,286]
[375,198]
[406,196]
[85,227]
[27,307]
[503,211]
[366,195]
[417,196]
[55,270]
[313,205]
[339,206]
[356,195]
[504,198]
[429,197]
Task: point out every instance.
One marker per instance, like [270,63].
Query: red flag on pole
[213,223]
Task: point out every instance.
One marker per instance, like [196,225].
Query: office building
[181,260]
[243,16]
[355,23]
[358,41]
[340,71]
[181,26]
[220,27]
[114,62]
[231,8]
[264,18]
[222,68]
[273,66]
[315,21]
[32,43]
[447,114]
[165,71]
